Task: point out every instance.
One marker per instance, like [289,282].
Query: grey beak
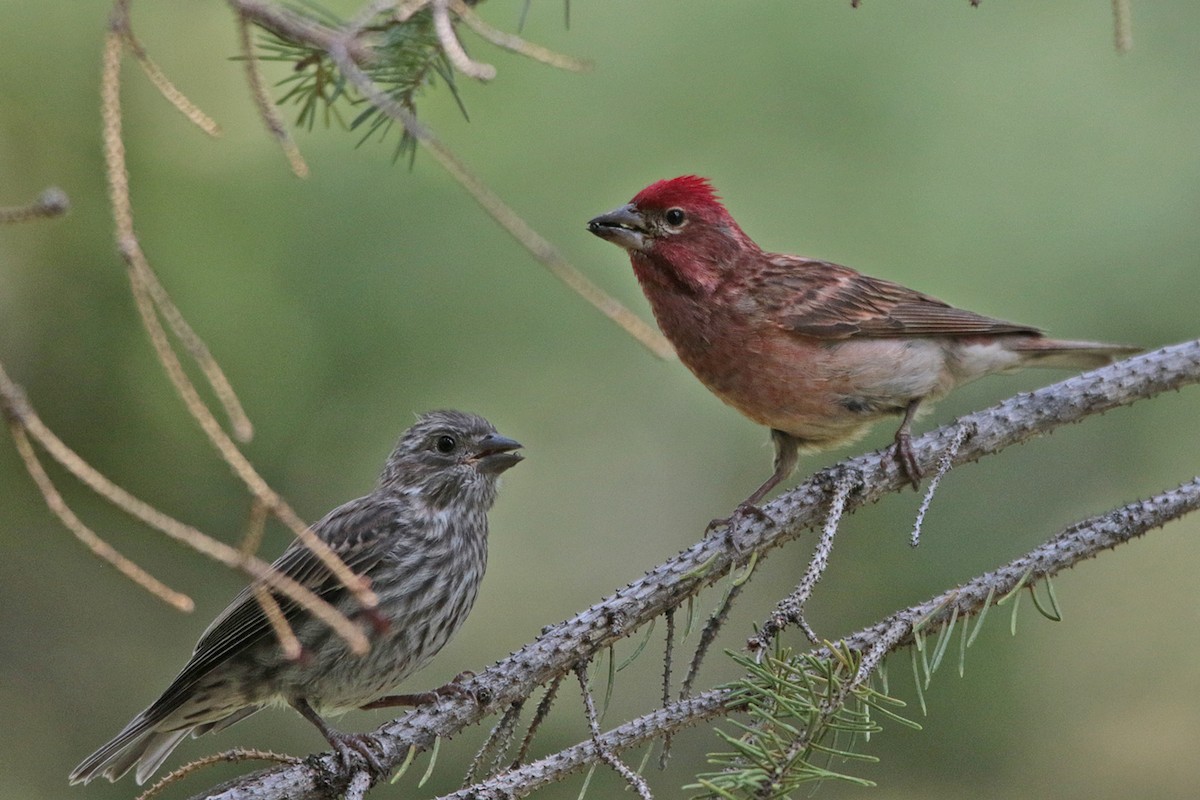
[624,226]
[495,454]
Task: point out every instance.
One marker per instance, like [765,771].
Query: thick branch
[1082,540]
[560,647]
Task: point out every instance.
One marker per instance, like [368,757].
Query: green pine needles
[805,713]
[408,58]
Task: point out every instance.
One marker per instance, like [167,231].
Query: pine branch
[562,646]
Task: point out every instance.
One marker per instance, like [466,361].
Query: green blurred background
[1003,158]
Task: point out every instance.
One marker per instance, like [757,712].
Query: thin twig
[539,716]
[52,202]
[16,407]
[453,48]
[262,101]
[709,634]
[256,527]
[541,249]
[491,752]
[515,43]
[790,610]
[143,283]
[944,464]
[83,533]
[668,661]
[606,755]
[288,643]
[167,89]
[229,756]
[1122,25]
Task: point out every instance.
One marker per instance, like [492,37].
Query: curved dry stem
[453,48]
[167,89]
[541,249]
[144,283]
[120,33]
[235,755]
[515,43]
[99,548]
[262,101]
[18,411]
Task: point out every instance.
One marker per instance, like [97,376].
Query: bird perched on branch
[815,351]
[419,538]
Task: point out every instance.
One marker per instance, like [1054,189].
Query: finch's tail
[139,743]
[1061,354]
[145,745]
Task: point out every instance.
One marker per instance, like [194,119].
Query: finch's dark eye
[445,443]
[675,217]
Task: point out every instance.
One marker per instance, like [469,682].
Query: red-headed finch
[420,538]
[815,351]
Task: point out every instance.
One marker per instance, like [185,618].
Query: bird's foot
[907,460]
[455,688]
[742,513]
[357,747]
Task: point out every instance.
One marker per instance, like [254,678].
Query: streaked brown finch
[420,538]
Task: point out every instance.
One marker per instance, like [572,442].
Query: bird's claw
[353,747]
[455,688]
[743,511]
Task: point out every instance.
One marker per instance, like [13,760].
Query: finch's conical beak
[624,226]
[495,454]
